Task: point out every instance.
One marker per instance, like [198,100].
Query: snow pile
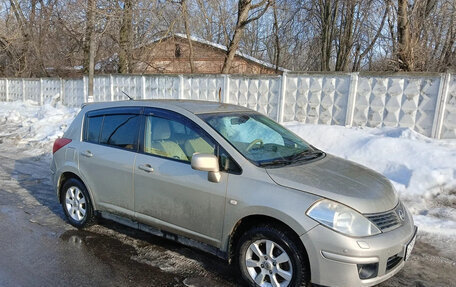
[422,170]
[27,123]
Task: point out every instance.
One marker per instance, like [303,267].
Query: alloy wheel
[75,203]
[268,264]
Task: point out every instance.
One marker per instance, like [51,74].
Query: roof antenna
[131,99]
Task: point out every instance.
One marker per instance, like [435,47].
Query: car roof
[193,106]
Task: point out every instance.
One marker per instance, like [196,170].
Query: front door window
[174,139]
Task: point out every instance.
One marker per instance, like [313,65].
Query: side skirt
[165,234]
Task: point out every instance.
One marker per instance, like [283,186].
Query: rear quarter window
[120,131]
[92,129]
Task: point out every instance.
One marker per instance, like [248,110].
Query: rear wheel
[268,256]
[76,203]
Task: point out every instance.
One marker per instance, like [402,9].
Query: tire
[76,203]
[286,267]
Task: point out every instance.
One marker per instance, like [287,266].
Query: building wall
[172,57]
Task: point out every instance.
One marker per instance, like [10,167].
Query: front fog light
[367,271]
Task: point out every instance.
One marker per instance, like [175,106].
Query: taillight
[59,143]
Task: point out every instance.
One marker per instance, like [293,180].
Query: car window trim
[115,111]
[111,112]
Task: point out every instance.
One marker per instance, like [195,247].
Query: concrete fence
[425,103]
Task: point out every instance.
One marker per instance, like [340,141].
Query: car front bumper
[334,258]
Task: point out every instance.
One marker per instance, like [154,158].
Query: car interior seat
[158,140]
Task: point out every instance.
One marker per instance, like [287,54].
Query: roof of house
[220,47]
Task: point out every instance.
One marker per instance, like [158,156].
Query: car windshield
[260,139]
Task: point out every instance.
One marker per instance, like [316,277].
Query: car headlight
[341,218]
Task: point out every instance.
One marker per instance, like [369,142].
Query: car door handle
[146,167]
[87,153]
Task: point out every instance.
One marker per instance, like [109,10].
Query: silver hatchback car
[235,183]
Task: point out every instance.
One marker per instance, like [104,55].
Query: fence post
[282,95]
[41,91]
[111,88]
[226,89]
[143,87]
[86,88]
[62,91]
[440,106]
[23,91]
[6,90]
[351,101]
[181,87]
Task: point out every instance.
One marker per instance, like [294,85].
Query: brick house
[170,55]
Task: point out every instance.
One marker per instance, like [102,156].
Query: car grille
[389,220]
[392,262]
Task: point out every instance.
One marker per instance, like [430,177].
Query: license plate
[410,245]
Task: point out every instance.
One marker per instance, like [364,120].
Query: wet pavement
[39,248]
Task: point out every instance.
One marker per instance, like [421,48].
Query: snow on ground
[423,170]
[25,123]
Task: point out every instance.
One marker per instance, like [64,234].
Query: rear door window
[93,127]
[120,131]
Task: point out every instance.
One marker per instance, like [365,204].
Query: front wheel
[267,256]
[76,203]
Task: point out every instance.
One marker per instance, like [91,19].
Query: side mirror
[209,163]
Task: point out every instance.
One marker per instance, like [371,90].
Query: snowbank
[38,126]
[422,170]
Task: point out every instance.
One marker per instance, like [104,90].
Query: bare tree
[347,27]
[328,15]
[187,32]
[243,19]
[360,54]
[53,37]
[30,47]
[403,37]
[276,37]
[449,49]
[126,38]
[89,43]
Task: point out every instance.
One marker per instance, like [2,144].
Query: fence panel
[396,101]
[131,85]
[74,92]
[257,93]
[161,87]
[203,88]
[32,90]
[316,99]
[14,90]
[449,117]
[50,89]
[3,90]
[102,89]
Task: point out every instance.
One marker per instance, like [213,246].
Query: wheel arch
[66,175]
[250,221]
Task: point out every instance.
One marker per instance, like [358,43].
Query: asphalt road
[39,248]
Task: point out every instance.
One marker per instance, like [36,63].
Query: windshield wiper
[277,161]
[306,155]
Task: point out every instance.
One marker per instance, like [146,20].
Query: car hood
[341,180]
